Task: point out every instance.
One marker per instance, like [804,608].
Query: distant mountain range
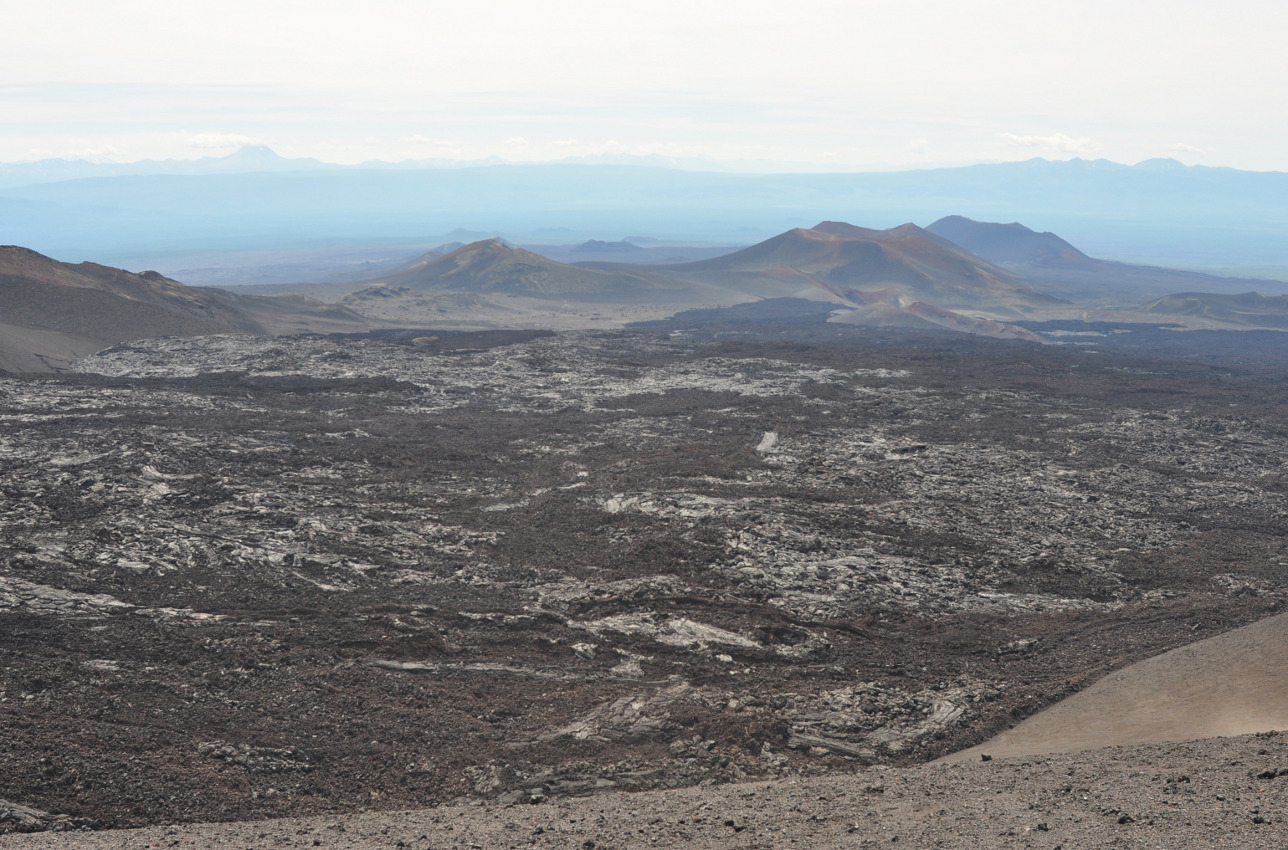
[959,274]
[52,313]
[1159,211]
[904,276]
[248,160]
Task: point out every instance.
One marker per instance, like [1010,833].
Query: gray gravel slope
[1222,792]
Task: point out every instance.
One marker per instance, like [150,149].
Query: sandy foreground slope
[1230,684]
[1225,792]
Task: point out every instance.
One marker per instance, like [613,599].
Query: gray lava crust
[245,577]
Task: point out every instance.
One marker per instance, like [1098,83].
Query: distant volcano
[1011,244]
[1058,267]
[846,261]
[491,266]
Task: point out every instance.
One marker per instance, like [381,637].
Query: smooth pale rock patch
[1231,684]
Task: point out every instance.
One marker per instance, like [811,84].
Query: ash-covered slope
[1059,267]
[87,298]
[53,312]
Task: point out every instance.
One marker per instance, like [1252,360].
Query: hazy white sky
[823,84]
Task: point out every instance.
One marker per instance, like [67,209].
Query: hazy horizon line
[696,163]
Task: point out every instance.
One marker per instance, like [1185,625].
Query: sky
[753,85]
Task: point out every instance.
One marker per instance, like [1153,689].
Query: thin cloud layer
[831,84]
[1057,143]
[222,141]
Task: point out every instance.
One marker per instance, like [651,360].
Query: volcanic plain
[247,577]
